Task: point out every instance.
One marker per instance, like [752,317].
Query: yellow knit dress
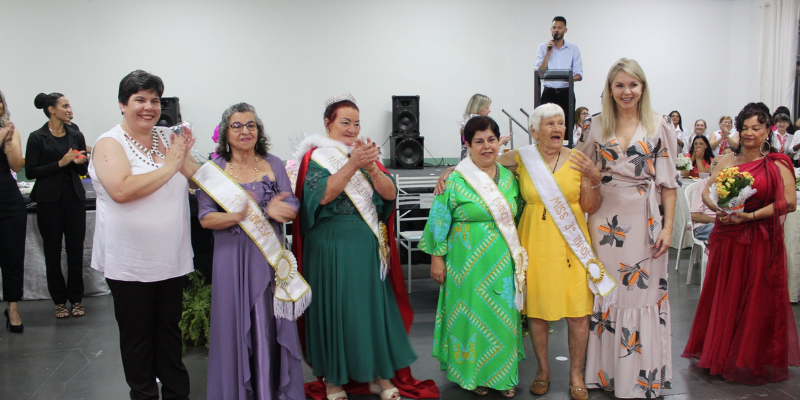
[557,285]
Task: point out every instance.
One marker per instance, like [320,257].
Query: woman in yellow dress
[557,281]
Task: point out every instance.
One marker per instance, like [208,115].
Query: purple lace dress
[252,354]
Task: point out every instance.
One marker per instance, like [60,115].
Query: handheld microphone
[555,36]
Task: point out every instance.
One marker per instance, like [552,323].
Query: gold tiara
[341,97]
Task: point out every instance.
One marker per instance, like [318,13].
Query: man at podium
[558,54]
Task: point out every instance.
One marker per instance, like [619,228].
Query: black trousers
[64,219]
[558,96]
[149,337]
[13,224]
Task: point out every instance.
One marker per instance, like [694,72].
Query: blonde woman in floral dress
[629,342]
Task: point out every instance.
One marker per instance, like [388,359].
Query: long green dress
[478,337]
[354,331]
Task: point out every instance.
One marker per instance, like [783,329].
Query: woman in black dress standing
[13,219]
[56,158]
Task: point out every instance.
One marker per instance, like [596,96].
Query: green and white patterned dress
[478,337]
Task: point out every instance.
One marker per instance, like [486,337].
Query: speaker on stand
[407,152]
[407,147]
[170,111]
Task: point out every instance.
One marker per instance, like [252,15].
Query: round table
[791,229]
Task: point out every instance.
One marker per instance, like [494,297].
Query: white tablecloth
[791,229]
[35,278]
[681,214]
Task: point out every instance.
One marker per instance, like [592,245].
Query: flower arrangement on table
[731,189]
[683,163]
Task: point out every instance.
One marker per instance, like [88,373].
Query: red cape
[408,386]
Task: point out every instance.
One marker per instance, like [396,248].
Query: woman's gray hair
[544,111]
[262,142]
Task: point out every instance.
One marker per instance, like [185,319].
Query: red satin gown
[744,328]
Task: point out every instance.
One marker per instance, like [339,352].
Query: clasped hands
[179,148]
[364,154]
[73,156]
[7,132]
[735,218]
[277,209]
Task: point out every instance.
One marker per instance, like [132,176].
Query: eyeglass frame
[247,125]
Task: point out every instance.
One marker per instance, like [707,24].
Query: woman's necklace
[234,168]
[57,133]
[148,152]
[544,213]
[496,177]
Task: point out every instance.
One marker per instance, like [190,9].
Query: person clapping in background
[56,157]
[13,219]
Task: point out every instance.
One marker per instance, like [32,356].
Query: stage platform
[427,171]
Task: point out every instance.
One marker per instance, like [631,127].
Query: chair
[414,193]
[697,244]
[287,235]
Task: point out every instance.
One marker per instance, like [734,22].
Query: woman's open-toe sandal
[61,311]
[509,392]
[481,390]
[78,310]
[340,395]
[388,394]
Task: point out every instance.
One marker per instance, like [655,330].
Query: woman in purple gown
[253,354]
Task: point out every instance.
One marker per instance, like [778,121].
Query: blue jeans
[703,232]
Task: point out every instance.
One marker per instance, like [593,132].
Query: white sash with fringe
[599,281]
[359,190]
[292,293]
[498,206]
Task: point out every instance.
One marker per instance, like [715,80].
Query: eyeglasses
[238,126]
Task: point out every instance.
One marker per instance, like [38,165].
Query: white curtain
[779,30]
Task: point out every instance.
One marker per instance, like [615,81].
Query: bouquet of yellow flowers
[731,189]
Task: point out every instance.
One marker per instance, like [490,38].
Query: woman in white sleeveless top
[142,236]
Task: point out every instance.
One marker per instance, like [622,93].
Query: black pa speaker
[405,115]
[170,111]
[407,152]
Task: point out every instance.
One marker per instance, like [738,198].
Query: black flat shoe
[13,328]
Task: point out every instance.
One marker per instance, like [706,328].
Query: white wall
[286,58]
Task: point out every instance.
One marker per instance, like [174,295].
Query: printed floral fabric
[629,349]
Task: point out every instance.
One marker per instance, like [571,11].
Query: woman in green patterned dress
[478,337]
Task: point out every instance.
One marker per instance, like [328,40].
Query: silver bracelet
[596,186]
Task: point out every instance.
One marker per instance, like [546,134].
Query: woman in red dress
[744,329]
